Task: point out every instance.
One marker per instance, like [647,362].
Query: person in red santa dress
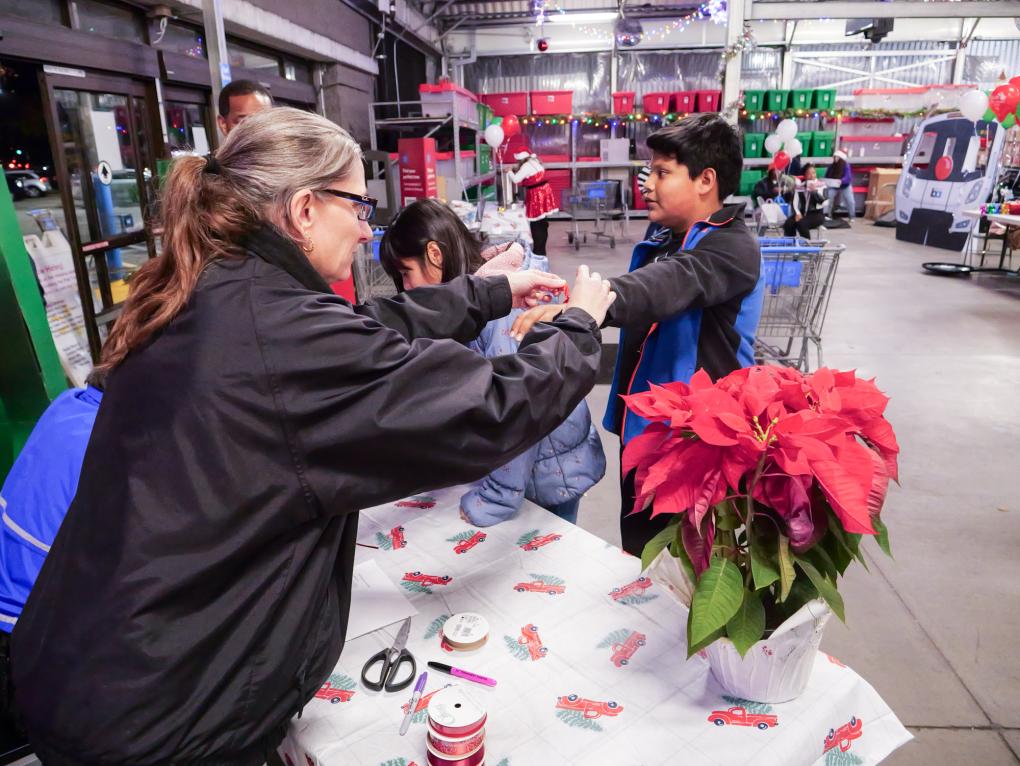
[539,200]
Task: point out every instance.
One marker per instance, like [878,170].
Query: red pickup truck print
[632,589]
[465,545]
[424,579]
[623,652]
[738,716]
[530,638]
[537,542]
[329,692]
[590,708]
[423,503]
[844,735]
[537,586]
[397,538]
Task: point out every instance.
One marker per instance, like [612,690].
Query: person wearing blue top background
[428,244]
[33,502]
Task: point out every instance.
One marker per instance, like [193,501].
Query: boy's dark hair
[424,221]
[806,167]
[703,141]
[241,88]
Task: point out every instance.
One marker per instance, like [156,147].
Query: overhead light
[581,18]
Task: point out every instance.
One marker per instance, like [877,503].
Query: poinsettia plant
[773,477]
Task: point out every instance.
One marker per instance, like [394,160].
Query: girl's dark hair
[424,221]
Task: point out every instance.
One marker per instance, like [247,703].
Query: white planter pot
[775,669]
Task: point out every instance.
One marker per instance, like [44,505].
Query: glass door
[102,135]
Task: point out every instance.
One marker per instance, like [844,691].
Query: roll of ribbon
[466,631]
[455,745]
[453,714]
[434,758]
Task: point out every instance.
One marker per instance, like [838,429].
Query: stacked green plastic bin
[800,99]
[822,143]
[754,100]
[824,99]
[485,115]
[776,100]
[484,158]
[754,144]
[748,178]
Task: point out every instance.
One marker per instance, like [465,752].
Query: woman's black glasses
[365,206]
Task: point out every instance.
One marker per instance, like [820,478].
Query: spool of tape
[453,714]
[466,631]
[434,758]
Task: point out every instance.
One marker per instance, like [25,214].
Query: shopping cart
[370,279]
[798,277]
[600,202]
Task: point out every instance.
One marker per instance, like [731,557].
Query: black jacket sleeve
[725,264]
[374,417]
[458,309]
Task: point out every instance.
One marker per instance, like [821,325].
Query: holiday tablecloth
[589,657]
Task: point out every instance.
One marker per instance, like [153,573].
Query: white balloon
[974,104]
[494,136]
[773,144]
[787,130]
[794,147]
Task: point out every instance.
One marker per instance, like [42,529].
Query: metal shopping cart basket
[798,277]
[600,202]
[370,279]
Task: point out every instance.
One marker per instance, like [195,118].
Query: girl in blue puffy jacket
[428,244]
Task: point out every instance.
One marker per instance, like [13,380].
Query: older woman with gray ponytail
[198,592]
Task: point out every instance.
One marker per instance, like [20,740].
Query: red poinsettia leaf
[845,495]
[698,546]
[712,491]
[678,492]
[879,484]
[844,378]
[863,401]
[643,447]
[880,434]
[700,381]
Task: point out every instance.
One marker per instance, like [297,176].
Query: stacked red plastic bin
[505,104]
[655,103]
[708,100]
[623,102]
[682,102]
[552,101]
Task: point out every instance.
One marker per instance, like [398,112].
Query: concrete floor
[935,629]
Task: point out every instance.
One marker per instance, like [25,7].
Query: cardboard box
[881,192]
[614,149]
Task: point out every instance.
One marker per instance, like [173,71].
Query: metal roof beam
[848,9]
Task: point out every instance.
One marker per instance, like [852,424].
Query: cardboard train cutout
[951,165]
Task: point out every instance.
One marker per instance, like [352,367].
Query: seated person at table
[428,244]
[693,296]
[768,187]
[807,206]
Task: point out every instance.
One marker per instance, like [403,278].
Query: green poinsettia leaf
[881,535]
[717,598]
[747,626]
[825,588]
[727,519]
[786,573]
[764,571]
[822,562]
[695,647]
[657,544]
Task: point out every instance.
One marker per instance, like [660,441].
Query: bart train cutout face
[951,165]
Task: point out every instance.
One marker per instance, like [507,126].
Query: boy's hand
[532,288]
[524,322]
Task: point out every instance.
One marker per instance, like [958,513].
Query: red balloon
[781,160]
[1015,81]
[943,168]
[1004,100]
[511,127]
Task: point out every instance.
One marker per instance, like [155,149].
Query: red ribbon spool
[450,746]
[476,758]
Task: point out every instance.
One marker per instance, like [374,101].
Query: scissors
[391,659]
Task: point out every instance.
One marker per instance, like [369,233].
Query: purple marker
[418,689]
[467,675]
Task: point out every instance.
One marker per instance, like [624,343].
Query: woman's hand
[590,293]
[533,288]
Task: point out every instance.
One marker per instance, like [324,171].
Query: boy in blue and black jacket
[693,295]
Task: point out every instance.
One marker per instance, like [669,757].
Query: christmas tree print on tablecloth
[435,626]
[516,648]
[838,758]
[465,541]
[398,762]
[504,762]
[616,637]
[576,719]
